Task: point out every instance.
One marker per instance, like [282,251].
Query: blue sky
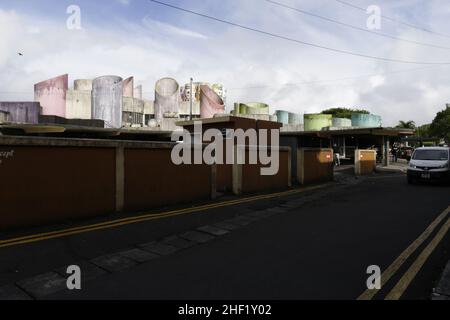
[105,12]
[149,41]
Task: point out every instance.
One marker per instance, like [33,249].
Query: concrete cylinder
[167,97]
[316,122]
[82,85]
[282,116]
[253,108]
[294,118]
[107,100]
[221,91]
[363,120]
[342,123]
[210,103]
[51,94]
[128,87]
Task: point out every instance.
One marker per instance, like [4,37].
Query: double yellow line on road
[145,217]
[411,273]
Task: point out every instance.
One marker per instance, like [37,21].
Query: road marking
[393,268]
[145,217]
[409,275]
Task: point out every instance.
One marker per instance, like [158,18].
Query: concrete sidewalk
[400,166]
[442,290]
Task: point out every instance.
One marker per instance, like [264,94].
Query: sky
[149,41]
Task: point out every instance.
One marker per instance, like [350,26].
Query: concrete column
[237,174]
[290,167]
[344,154]
[120,179]
[213,181]
[300,166]
[357,162]
[386,151]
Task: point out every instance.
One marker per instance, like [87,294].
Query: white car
[429,163]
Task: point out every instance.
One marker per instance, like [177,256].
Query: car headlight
[412,166]
[444,166]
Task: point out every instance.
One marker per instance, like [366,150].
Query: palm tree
[406,124]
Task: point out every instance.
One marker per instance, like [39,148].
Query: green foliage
[423,131]
[440,127]
[344,112]
[406,124]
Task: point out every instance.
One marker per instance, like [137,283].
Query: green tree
[406,124]
[423,131]
[344,112]
[440,127]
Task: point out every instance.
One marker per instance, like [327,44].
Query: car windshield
[431,155]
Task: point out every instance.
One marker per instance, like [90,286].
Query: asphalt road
[314,245]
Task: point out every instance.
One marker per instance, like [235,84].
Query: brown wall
[252,180]
[314,165]
[152,180]
[224,177]
[45,184]
[55,180]
[224,173]
[46,180]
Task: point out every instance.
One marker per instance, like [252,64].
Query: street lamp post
[191,100]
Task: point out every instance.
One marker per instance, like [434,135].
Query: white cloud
[158,26]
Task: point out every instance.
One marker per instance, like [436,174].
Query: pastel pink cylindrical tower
[52,95]
[210,103]
[128,87]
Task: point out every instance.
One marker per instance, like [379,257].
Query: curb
[390,170]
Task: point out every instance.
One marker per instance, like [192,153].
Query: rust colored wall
[262,124]
[365,162]
[314,165]
[269,126]
[49,184]
[253,181]
[152,180]
[224,177]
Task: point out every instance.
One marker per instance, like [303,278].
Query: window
[431,155]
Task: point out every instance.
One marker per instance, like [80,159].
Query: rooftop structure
[51,94]
[210,103]
[20,112]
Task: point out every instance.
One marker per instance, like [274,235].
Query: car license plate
[425,176]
